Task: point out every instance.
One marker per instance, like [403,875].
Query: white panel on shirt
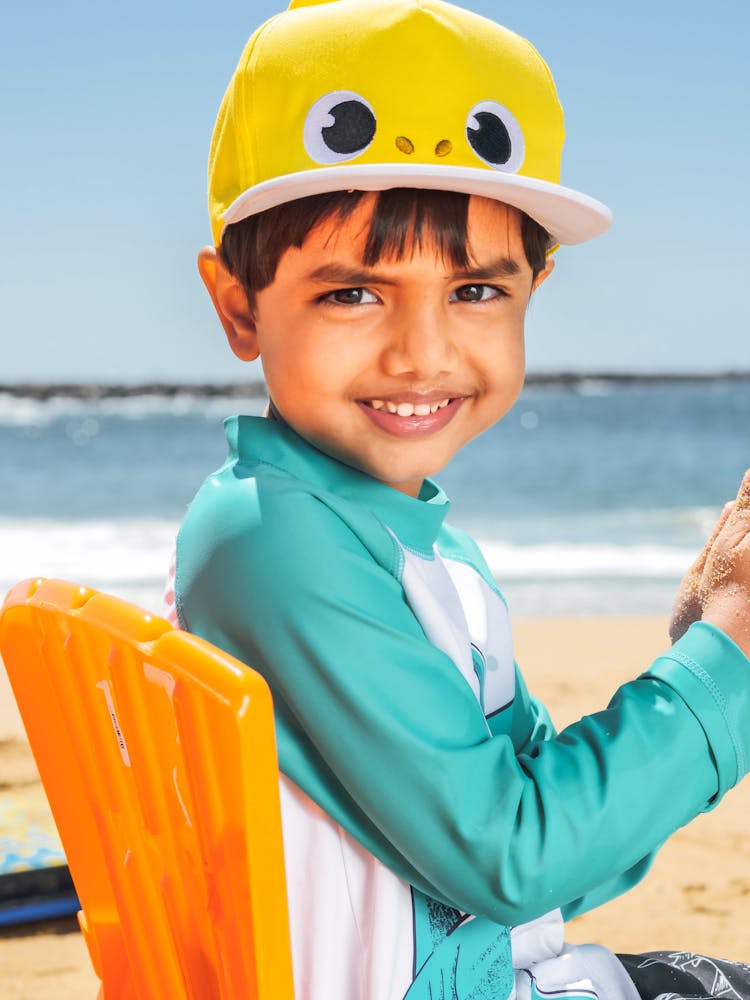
[488,623]
[351,918]
[432,596]
[458,610]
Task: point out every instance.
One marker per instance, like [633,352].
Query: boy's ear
[544,273]
[230,303]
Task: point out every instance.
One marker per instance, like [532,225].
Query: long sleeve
[381,730]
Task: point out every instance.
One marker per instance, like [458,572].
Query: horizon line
[255,388]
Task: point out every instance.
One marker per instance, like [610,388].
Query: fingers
[694,589]
[727,567]
[736,525]
[742,502]
[700,563]
[741,506]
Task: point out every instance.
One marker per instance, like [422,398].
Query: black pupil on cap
[490,140]
[353,128]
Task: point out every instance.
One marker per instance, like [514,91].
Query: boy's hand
[725,582]
[687,606]
[717,587]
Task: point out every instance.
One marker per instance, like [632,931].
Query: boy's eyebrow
[345,275]
[502,267]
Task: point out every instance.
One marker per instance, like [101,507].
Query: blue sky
[106,113]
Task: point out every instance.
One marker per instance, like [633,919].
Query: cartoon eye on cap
[495,136]
[339,126]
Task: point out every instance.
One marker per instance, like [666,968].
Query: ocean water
[586,499]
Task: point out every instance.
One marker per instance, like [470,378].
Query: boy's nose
[420,345]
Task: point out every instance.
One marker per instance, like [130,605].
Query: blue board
[35,882]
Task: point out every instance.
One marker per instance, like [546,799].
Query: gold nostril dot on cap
[443,147]
[404,144]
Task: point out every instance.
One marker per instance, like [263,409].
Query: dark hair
[251,249]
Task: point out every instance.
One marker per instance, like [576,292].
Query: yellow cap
[372,94]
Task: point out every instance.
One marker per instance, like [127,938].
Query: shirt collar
[415,521]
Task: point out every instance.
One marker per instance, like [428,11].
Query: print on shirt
[457,955]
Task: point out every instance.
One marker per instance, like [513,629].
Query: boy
[384,198]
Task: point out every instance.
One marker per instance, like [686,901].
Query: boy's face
[390,368]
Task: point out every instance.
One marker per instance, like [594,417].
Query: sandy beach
[695,898]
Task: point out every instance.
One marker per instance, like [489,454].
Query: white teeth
[408,409]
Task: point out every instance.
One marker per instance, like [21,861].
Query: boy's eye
[339,126]
[350,297]
[495,136]
[476,293]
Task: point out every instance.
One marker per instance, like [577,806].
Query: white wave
[557,561]
[594,387]
[670,529]
[24,411]
[128,557]
[129,550]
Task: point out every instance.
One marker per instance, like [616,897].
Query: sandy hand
[687,606]
[724,588]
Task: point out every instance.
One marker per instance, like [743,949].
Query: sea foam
[26,411]
[126,557]
[555,561]
[130,557]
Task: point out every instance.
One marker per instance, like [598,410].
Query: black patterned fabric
[682,975]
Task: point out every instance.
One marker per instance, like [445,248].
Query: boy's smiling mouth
[406,409]
[411,414]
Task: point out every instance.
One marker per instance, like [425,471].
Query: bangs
[403,221]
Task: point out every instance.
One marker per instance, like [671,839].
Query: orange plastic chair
[158,757]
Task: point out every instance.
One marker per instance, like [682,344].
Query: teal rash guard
[435,823]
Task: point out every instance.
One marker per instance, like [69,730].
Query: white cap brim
[568,216]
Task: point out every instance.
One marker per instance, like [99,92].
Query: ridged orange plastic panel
[158,757]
